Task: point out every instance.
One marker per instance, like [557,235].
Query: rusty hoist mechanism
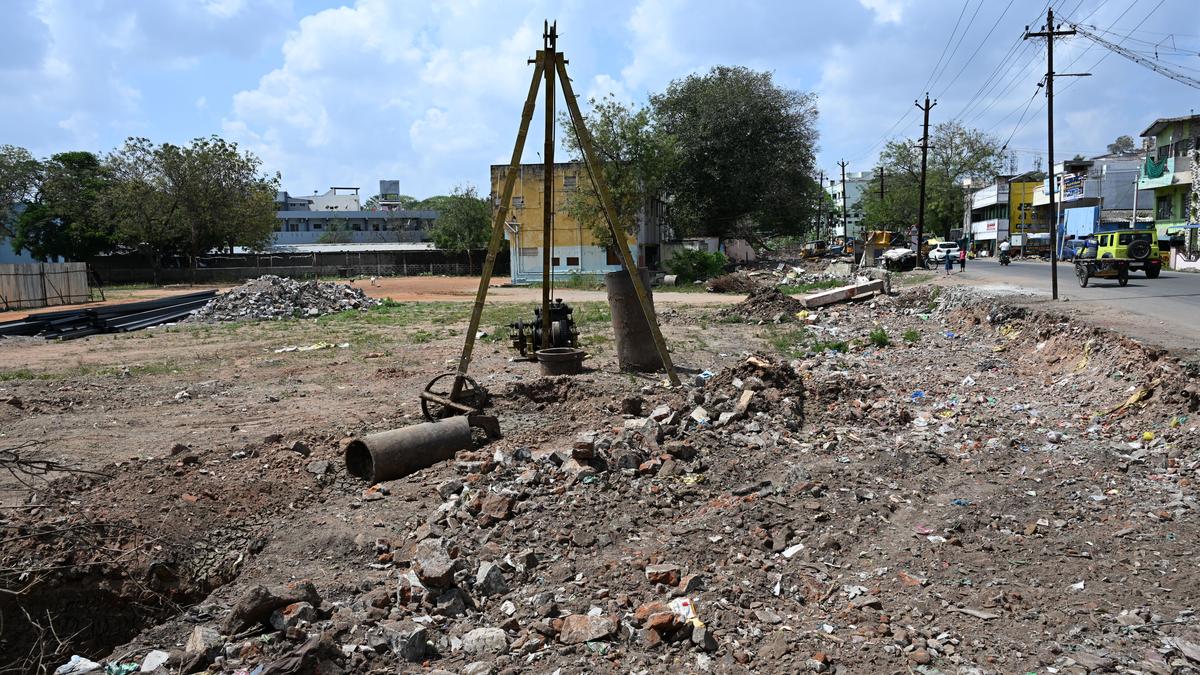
[526,336]
[455,393]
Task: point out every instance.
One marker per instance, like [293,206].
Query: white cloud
[202,103]
[430,96]
[886,11]
[67,73]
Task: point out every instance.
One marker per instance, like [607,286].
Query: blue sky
[430,93]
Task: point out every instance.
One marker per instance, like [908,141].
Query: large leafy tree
[463,223]
[956,153]
[1122,146]
[64,218]
[189,200]
[744,154]
[635,159]
[20,174]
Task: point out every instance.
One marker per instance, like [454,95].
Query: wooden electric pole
[550,49]
[924,157]
[1050,33]
[845,230]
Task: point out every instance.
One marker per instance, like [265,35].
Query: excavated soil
[988,489]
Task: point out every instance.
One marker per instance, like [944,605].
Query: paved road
[1163,311]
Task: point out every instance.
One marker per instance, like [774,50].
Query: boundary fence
[238,267]
[33,285]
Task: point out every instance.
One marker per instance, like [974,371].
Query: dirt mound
[738,282]
[766,304]
[272,297]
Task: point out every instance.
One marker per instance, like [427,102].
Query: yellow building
[1022,219]
[575,249]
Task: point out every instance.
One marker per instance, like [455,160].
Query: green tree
[463,223]
[65,219]
[1122,146]
[635,159]
[744,154]
[20,175]
[189,200]
[405,202]
[956,153]
[434,203]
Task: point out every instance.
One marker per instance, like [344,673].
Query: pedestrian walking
[962,260]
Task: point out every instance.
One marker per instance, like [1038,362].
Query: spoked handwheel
[439,401]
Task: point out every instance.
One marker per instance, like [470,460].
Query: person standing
[962,260]
[949,263]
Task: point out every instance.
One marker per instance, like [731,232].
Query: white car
[938,253]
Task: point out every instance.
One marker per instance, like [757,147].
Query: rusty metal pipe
[400,452]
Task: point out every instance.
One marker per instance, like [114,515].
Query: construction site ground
[928,482]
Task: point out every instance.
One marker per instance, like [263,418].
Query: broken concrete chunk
[256,605]
[485,641]
[435,568]
[489,580]
[663,574]
[579,628]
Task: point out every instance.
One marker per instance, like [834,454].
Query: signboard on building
[1072,186]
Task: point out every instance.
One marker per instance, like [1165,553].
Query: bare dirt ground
[928,483]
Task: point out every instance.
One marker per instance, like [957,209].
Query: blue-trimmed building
[337,217]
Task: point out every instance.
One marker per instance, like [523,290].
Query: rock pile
[272,297]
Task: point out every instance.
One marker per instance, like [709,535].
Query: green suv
[1139,247]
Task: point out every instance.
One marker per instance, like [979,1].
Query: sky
[346,94]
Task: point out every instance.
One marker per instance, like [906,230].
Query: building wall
[1021,215]
[856,184]
[330,201]
[575,249]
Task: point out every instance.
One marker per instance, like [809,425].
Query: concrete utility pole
[881,193]
[821,207]
[924,157]
[845,231]
[1050,33]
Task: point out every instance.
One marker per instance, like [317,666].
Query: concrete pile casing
[272,297]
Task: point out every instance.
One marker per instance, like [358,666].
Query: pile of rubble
[272,297]
[1018,500]
[766,304]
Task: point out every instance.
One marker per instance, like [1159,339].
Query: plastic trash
[685,609]
[918,395]
[959,501]
[77,664]
[120,668]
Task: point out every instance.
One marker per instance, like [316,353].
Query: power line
[1141,61]
[954,51]
[984,41]
[995,77]
[949,39]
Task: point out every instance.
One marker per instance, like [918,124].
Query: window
[569,182]
[318,226]
[1163,208]
[529,251]
[611,257]
[572,261]
[518,202]
[554,261]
